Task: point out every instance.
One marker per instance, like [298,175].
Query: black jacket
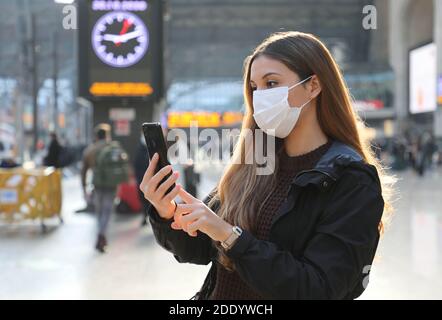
[52,159]
[322,240]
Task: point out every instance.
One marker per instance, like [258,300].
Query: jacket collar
[327,171]
[329,167]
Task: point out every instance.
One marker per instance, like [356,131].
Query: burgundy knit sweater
[229,285]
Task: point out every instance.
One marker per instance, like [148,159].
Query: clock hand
[130,35]
[126,26]
[111,37]
[117,39]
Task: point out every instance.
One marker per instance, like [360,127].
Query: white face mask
[273,112]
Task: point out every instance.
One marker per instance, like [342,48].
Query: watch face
[120,39]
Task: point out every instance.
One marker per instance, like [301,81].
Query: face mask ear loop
[301,82]
[305,104]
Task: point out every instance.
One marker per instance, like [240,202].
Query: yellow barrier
[30,194]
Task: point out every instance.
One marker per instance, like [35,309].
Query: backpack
[111,166]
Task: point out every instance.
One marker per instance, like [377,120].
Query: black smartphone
[153,134]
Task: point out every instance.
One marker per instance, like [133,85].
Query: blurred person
[426,150]
[310,229]
[69,155]
[399,154]
[413,148]
[7,160]
[108,161]
[102,137]
[438,151]
[52,158]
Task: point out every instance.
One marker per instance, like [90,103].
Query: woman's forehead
[263,65]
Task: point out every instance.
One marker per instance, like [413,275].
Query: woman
[311,228]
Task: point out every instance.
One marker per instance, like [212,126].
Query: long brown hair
[241,191]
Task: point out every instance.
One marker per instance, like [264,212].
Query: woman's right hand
[156,192]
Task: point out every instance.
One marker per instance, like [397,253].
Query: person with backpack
[110,166]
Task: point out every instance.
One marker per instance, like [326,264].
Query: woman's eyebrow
[267,74]
[270,73]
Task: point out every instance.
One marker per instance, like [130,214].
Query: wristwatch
[228,243]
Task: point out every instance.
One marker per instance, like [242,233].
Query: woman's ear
[315,86]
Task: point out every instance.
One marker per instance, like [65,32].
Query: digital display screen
[423,79]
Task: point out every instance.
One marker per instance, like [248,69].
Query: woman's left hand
[194,215]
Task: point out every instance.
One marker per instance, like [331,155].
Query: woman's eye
[253,88]
[271,84]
